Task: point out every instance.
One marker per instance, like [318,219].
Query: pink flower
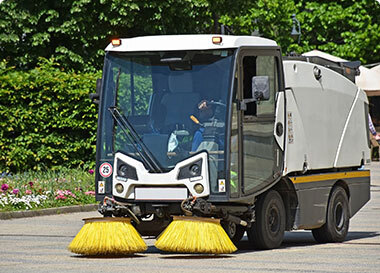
[4,187]
[64,194]
[62,197]
[28,192]
[89,193]
[70,193]
[91,171]
[15,191]
[31,184]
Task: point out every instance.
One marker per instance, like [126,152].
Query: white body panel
[161,180]
[187,42]
[280,118]
[325,119]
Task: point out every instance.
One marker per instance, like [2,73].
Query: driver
[206,111]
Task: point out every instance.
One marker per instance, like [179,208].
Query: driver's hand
[202,105]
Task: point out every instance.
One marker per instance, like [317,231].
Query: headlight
[123,170]
[119,188]
[126,171]
[193,169]
[198,188]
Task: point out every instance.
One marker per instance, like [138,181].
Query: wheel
[267,232]
[234,231]
[337,219]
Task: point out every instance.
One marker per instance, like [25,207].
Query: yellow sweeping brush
[107,236]
[195,235]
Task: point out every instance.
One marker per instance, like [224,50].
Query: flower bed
[36,190]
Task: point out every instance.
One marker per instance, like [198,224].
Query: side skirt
[313,193]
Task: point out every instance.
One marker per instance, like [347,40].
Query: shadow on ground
[176,255]
[130,256]
[195,256]
[305,238]
[292,239]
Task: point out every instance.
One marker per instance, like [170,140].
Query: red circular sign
[105,170]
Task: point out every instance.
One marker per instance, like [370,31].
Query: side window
[259,66]
[267,66]
[234,153]
[249,71]
[258,154]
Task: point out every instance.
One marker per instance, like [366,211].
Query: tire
[267,232]
[234,231]
[337,219]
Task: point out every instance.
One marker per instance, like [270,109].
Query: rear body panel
[326,120]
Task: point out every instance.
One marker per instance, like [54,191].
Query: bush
[46,118]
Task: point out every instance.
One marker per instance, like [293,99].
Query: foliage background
[75,32]
[46,117]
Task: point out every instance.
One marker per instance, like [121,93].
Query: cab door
[259,157]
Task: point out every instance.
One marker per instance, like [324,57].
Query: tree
[76,32]
[348,29]
[268,18]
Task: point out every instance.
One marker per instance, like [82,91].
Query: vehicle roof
[187,42]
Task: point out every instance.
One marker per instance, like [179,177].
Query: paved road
[40,245]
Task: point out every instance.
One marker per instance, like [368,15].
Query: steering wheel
[216,103]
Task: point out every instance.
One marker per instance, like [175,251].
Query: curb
[49,211]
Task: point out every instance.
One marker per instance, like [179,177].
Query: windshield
[174,101]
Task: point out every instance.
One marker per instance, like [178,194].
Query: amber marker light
[116,42]
[216,40]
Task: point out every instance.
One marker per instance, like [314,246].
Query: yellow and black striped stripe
[328,176]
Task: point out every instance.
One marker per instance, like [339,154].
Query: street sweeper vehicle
[202,138]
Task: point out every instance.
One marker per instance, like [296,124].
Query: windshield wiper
[134,138]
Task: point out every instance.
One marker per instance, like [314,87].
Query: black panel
[125,170]
[186,172]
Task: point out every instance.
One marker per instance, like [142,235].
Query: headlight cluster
[194,169]
[126,171]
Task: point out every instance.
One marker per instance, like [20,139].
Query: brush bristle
[103,236]
[195,235]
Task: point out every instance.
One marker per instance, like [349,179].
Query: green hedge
[46,118]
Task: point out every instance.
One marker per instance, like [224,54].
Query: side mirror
[96,96]
[260,88]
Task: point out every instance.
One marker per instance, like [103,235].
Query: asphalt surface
[39,244]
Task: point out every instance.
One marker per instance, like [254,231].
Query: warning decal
[101,187]
[290,128]
[222,185]
[105,170]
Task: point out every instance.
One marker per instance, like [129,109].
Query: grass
[46,189]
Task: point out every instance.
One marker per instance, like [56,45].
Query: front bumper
[160,186]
